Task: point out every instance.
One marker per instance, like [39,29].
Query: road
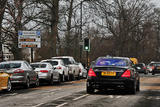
[73,94]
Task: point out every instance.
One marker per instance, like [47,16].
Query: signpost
[29,39]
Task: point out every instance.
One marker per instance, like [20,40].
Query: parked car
[73,67]
[22,73]
[5,82]
[46,72]
[141,68]
[83,71]
[113,73]
[155,67]
[59,66]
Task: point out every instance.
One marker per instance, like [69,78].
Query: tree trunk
[54,26]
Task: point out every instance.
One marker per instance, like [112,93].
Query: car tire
[138,86]
[37,82]
[27,84]
[51,80]
[89,89]
[9,86]
[153,73]
[78,77]
[133,88]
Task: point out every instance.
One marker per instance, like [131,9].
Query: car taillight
[80,70]
[144,67]
[91,73]
[127,74]
[19,71]
[44,71]
[58,67]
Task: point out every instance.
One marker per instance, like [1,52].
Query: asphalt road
[73,94]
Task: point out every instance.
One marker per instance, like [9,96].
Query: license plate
[108,73]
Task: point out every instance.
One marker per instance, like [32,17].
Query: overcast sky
[157,2]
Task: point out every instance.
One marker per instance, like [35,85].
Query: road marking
[46,102]
[80,97]
[38,105]
[111,96]
[61,104]
[118,96]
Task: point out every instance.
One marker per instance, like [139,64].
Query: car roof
[16,61]
[52,60]
[63,57]
[40,63]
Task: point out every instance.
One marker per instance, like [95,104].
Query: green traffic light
[86,48]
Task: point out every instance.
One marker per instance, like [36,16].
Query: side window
[27,65]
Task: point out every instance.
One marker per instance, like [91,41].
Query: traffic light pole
[87,56]
[31,54]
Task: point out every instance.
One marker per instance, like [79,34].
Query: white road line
[38,105]
[118,96]
[61,105]
[46,102]
[80,97]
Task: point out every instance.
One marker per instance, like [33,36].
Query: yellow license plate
[108,73]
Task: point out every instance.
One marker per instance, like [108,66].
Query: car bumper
[17,79]
[110,83]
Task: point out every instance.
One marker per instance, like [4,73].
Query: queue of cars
[56,69]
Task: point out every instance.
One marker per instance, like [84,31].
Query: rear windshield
[154,64]
[140,65]
[111,62]
[65,60]
[10,65]
[38,65]
[53,63]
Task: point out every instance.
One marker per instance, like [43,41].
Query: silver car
[83,71]
[46,72]
[22,73]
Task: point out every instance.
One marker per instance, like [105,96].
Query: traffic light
[86,45]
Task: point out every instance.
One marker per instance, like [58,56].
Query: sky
[156,2]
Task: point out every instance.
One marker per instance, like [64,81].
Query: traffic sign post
[29,39]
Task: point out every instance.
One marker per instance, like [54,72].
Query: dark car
[113,73]
[141,68]
[22,73]
[156,67]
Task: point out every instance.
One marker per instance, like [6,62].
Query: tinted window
[65,60]
[111,62]
[155,64]
[10,65]
[53,63]
[38,65]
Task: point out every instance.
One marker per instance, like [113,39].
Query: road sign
[29,39]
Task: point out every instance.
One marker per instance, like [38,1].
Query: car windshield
[10,65]
[65,60]
[111,62]
[38,65]
[53,63]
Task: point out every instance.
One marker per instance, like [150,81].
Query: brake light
[58,67]
[91,73]
[80,70]
[44,71]
[19,71]
[127,74]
